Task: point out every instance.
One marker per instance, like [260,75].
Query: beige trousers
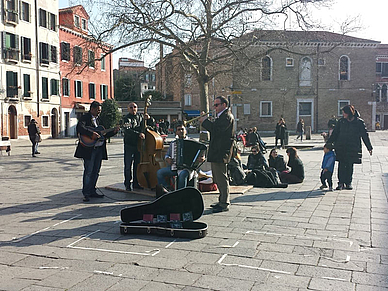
[220,177]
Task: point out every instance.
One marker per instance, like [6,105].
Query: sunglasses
[180,129]
[133,107]
[216,104]
[254,151]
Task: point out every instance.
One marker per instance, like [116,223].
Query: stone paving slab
[298,238]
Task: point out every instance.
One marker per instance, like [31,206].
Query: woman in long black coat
[346,137]
[280,133]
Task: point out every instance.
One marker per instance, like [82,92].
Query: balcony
[11,17]
[11,55]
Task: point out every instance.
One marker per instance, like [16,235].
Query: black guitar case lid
[172,214]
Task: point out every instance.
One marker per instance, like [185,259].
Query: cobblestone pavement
[298,238]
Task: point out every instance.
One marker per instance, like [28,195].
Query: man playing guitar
[92,155]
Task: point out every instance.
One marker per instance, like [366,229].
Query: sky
[372,15]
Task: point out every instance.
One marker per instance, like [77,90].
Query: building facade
[292,75]
[86,69]
[380,104]
[29,68]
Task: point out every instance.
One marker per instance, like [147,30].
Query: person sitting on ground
[327,167]
[296,175]
[235,169]
[256,159]
[276,161]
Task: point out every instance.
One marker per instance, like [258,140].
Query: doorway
[305,110]
[54,123]
[12,122]
[385,122]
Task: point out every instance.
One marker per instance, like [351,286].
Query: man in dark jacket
[133,130]
[34,134]
[220,149]
[94,154]
[346,137]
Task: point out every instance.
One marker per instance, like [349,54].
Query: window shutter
[4,43]
[49,52]
[22,46]
[20,10]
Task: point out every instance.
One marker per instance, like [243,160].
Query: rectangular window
[26,49]
[247,109]
[12,84]
[65,51]
[76,21]
[44,53]
[265,108]
[104,92]
[84,24]
[305,108]
[91,59]
[77,51]
[378,68]
[102,62]
[11,11]
[45,88]
[187,100]
[342,104]
[45,121]
[289,62]
[42,18]
[92,91]
[25,13]
[78,89]
[10,46]
[187,80]
[65,87]
[384,70]
[26,86]
[52,21]
[54,55]
[54,87]
[27,120]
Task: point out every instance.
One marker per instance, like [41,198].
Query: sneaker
[340,187]
[85,199]
[349,187]
[331,189]
[37,153]
[323,187]
[216,204]
[220,209]
[95,195]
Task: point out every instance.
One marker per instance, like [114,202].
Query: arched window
[305,72]
[266,68]
[344,67]
[384,93]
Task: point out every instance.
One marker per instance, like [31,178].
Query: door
[305,110]
[385,122]
[67,123]
[12,122]
[54,123]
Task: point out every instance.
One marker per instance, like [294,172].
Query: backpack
[263,178]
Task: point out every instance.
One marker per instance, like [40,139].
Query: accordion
[189,154]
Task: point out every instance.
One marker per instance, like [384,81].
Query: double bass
[149,149]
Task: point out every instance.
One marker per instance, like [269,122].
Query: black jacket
[133,126]
[280,131]
[257,161]
[279,164]
[86,152]
[221,137]
[297,168]
[346,138]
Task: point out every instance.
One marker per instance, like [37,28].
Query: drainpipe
[317,94]
[37,58]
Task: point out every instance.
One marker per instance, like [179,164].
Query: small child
[327,167]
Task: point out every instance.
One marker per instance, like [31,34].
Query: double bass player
[133,130]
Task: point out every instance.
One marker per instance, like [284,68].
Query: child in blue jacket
[327,167]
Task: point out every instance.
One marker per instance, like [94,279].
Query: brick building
[291,74]
[86,72]
[380,104]
[29,70]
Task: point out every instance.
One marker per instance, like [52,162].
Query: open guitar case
[172,214]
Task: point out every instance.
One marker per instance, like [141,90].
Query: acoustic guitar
[90,141]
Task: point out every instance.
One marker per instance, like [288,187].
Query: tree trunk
[203,95]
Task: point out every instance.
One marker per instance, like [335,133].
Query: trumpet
[185,122]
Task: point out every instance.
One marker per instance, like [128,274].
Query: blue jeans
[131,159]
[167,172]
[91,172]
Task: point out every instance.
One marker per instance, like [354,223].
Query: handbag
[38,138]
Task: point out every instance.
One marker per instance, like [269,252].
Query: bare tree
[203,34]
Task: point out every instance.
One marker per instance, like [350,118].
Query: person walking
[346,138]
[220,149]
[34,134]
[300,129]
[92,155]
[280,132]
[327,167]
